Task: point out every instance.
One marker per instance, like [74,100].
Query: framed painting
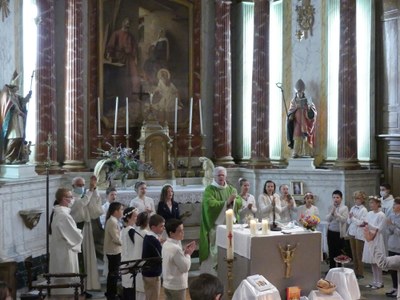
[297,188]
[145,56]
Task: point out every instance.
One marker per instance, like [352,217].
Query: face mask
[79,190]
[383,194]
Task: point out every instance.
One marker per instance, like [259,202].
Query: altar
[260,254]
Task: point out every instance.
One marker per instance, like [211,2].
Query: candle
[253,227]
[176,116]
[116,116]
[98,116]
[190,115]
[127,117]
[151,99]
[229,231]
[264,226]
[201,118]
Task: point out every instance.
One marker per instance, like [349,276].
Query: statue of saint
[301,123]
[287,257]
[13,122]
[208,168]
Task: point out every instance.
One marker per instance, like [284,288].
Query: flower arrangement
[309,222]
[342,259]
[120,163]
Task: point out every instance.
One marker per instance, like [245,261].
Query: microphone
[279,85]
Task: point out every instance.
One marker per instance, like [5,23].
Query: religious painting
[145,60]
[297,188]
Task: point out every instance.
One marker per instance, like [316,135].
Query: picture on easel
[296,188]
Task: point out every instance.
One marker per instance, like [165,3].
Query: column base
[347,164]
[225,161]
[260,163]
[75,165]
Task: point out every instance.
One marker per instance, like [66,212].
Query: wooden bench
[39,289]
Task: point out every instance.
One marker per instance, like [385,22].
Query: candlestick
[201,118]
[253,227]
[190,115]
[264,226]
[190,172]
[127,116]
[98,116]
[176,116]
[116,116]
[229,231]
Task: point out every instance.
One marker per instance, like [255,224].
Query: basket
[327,291]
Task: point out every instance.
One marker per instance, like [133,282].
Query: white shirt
[143,205]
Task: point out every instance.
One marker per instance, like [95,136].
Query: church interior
[197,84]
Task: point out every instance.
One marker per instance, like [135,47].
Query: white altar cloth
[246,291]
[345,281]
[317,295]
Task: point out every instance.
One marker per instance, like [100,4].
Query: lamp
[305,19]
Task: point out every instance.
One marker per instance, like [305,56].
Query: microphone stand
[274,226]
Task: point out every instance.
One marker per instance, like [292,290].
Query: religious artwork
[145,58]
[297,188]
[287,254]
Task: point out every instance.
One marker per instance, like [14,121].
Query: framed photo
[145,56]
[297,188]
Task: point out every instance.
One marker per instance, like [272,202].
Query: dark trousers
[112,277]
[129,294]
[393,273]
[335,245]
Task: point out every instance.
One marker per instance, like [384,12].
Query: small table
[345,281]
[317,295]
[246,291]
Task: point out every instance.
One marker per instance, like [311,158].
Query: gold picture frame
[296,188]
[145,48]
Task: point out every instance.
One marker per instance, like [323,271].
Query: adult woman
[249,207]
[355,232]
[65,239]
[307,209]
[269,203]
[142,202]
[289,207]
[131,249]
[375,219]
[167,207]
[113,248]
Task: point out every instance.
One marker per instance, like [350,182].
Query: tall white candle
[98,116]
[127,116]
[264,226]
[201,118]
[229,232]
[176,116]
[116,116]
[190,115]
[151,99]
[253,227]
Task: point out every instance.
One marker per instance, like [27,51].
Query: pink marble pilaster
[347,128]
[74,98]
[45,78]
[222,120]
[260,93]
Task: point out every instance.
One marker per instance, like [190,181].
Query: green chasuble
[213,202]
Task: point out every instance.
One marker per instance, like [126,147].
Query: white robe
[64,245]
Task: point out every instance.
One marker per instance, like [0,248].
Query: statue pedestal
[301,164]
[17,171]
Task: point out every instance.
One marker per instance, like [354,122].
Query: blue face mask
[79,190]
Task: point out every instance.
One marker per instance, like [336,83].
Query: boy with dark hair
[206,287]
[152,248]
[176,261]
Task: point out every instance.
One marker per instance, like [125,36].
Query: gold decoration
[30,217]
[287,255]
[305,19]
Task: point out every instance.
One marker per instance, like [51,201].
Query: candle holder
[127,136]
[115,136]
[229,275]
[176,171]
[100,141]
[190,172]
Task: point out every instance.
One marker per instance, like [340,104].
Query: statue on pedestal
[15,150]
[208,168]
[301,123]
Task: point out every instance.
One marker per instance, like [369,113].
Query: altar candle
[151,99]
[229,231]
[127,117]
[176,116]
[190,115]
[253,227]
[116,116]
[264,226]
[98,116]
[201,118]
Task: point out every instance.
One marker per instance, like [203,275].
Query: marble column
[260,94]
[222,118]
[74,80]
[347,112]
[46,83]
